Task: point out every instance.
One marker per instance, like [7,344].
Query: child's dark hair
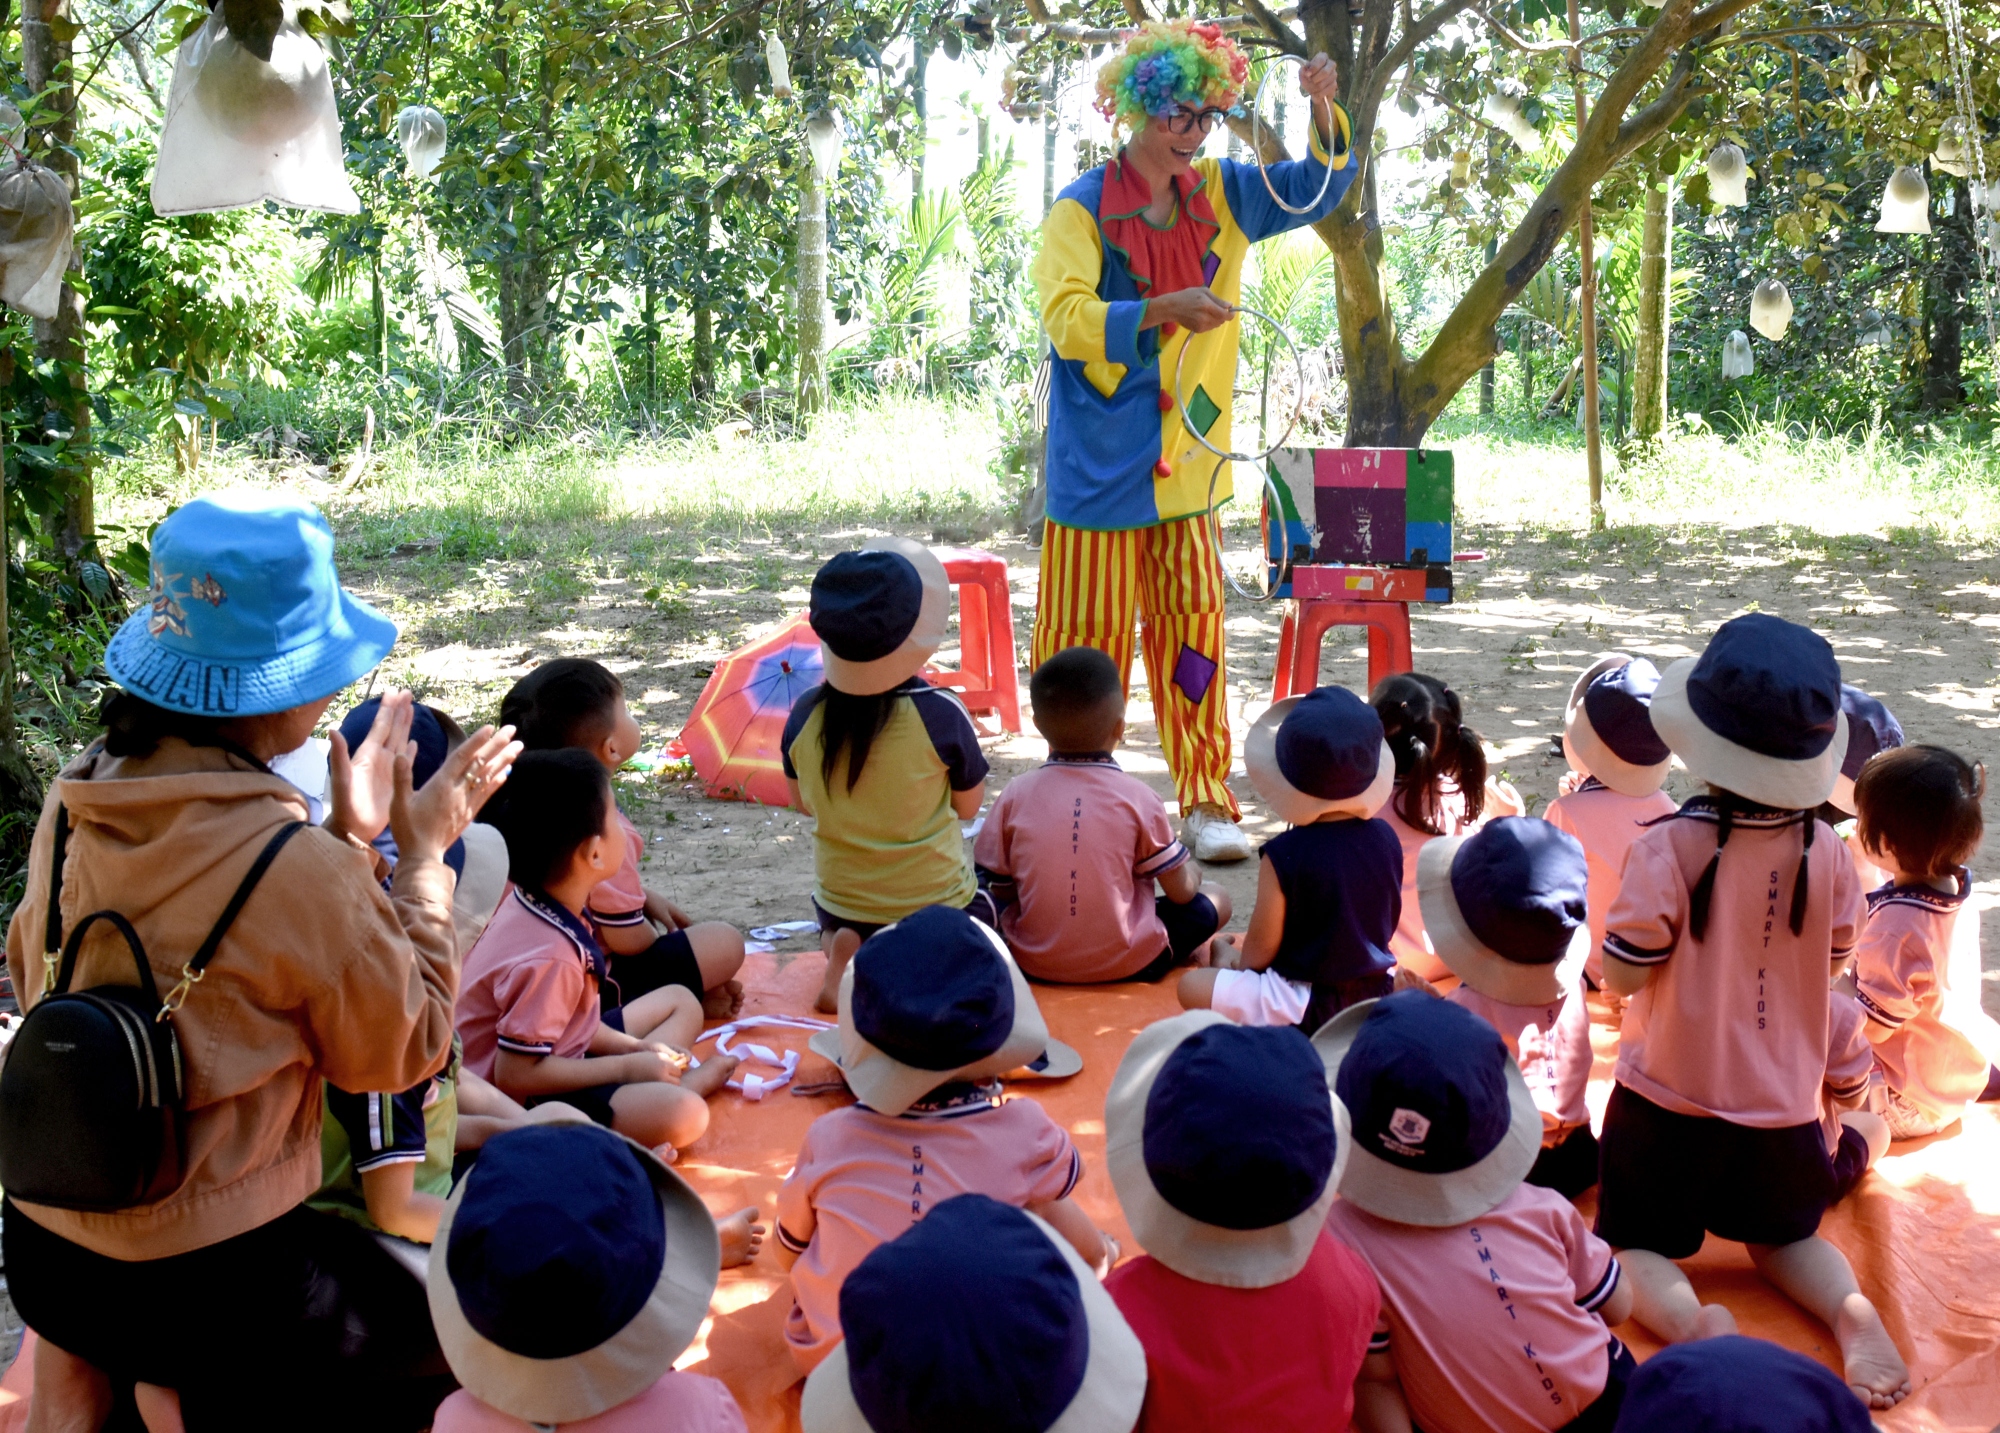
[851,723]
[552,803]
[133,726]
[570,701]
[1078,699]
[1424,726]
[1919,805]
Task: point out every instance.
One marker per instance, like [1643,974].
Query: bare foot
[710,1075]
[742,1237]
[724,1002]
[159,1408]
[1875,1370]
[1714,1321]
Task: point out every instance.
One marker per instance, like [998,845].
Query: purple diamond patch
[1193,673]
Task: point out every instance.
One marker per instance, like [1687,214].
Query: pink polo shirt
[1849,1061]
[1411,944]
[1281,1359]
[1733,1025]
[863,1178]
[620,898]
[1902,979]
[529,984]
[1492,1324]
[678,1403]
[1083,842]
[1605,824]
[1551,1044]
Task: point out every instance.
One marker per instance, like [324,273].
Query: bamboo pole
[1593,436]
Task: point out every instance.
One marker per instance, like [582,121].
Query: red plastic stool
[985,677]
[1306,623]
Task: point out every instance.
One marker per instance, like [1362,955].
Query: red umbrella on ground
[732,733]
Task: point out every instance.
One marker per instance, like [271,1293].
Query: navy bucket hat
[1871,730]
[1608,728]
[933,999]
[880,614]
[1508,908]
[1758,712]
[1225,1146]
[1738,1385]
[1319,753]
[1444,1126]
[246,615]
[571,1268]
[980,1317]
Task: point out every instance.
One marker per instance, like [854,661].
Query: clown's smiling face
[1164,150]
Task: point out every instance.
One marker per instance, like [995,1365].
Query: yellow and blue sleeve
[1102,335]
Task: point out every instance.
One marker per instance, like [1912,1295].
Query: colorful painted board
[1367,508]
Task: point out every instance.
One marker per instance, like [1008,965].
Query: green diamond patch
[1201,408]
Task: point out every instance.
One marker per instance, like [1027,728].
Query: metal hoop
[1256,148]
[1299,391]
[1274,508]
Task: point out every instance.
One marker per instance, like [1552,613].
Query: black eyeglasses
[1185,121]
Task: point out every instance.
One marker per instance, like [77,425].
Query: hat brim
[1586,750]
[1114,1375]
[1057,1062]
[1433,1201]
[583,1385]
[867,679]
[1486,970]
[1206,1253]
[888,1086]
[1842,795]
[305,673]
[1291,805]
[1772,780]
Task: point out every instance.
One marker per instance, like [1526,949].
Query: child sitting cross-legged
[528,1007]
[1733,917]
[1071,851]
[1920,819]
[1497,1303]
[1328,890]
[649,942]
[933,1011]
[1507,910]
[572,1268]
[1226,1149]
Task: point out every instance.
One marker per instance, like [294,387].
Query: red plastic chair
[1306,622]
[985,679]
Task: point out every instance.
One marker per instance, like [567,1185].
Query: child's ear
[609,753]
[594,855]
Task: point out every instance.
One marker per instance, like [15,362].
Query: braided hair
[1424,724]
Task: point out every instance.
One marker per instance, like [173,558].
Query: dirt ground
[1914,620]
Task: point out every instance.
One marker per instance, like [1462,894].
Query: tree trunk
[811,248]
[1593,406]
[1946,293]
[1050,127]
[919,84]
[1656,263]
[701,371]
[20,788]
[1489,375]
[47,28]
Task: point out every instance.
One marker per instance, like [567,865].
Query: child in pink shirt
[1871,730]
[1072,852]
[1731,920]
[1617,763]
[1226,1148]
[932,1011]
[649,942]
[1920,818]
[528,1008]
[1496,1301]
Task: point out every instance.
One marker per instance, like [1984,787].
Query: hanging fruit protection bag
[93,1093]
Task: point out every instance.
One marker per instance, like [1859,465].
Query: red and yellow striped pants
[1093,582]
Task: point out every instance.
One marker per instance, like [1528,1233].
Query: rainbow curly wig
[1167,65]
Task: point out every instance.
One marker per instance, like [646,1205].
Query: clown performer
[1139,256]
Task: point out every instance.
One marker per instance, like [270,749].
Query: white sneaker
[1212,836]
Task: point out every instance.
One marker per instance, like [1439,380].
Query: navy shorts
[593,1100]
[1666,1179]
[1850,1162]
[1570,1167]
[382,1129]
[667,961]
[1189,927]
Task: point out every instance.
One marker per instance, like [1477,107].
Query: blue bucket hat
[1608,728]
[1738,1385]
[1871,730]
[1319,753]
[934,999]
[571,1268]
[880,614]
[1225,1146]
[1444,1126]
[1508,908]
[979,1317]
[1758,713]
[246,614]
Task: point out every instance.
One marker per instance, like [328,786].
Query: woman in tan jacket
[229,1304]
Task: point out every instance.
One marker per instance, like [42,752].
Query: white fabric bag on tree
[240,130]
[37,223]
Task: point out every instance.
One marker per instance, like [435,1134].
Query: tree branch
[1075,33]
[1287,39]
[1427,25]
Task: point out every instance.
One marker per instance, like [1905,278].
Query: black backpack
[93,1090]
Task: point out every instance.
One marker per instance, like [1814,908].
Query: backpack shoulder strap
[191,973]
[52,936]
